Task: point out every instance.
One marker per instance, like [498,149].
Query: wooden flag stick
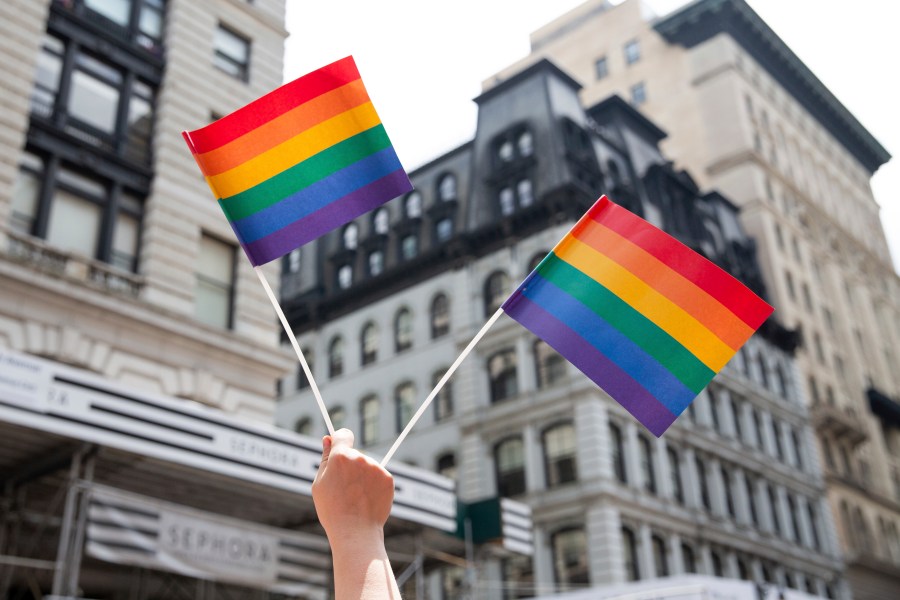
[440,384]
[290,334]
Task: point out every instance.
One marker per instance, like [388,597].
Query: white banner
[126,528]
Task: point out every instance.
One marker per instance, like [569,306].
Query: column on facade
[603,529]
[593,451]
[534,460]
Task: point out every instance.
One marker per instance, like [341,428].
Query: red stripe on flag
[718,283]
[272,105]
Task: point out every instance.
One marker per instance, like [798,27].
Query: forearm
[362,570]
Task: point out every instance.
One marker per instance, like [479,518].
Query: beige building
[745,116]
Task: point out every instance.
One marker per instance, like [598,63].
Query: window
[601,68]
[703,483]
[231,53]
[688,558]
[550,366]
[443,229]
[660,556]
[632,52]
[629,553]
[303,426]
[381,221]
[336,357]
[443,402]
[213,298]
[509,461]
[350,236]
[496,289]
[570,558]
[344,277]
[638,94]
[559,454]
[675,475]
[440,316]
[447,188]
[412,205]
[404,397]
[302,380]
[502,373]
[648,475]
[376,263]
[368,420]
[446,465]
[403,330]
[338,417]
[409,246]
[369,343]
[618,453]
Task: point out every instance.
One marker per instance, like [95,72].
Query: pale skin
[353,496]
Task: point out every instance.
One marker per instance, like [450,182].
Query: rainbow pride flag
[300,161]
[645,317]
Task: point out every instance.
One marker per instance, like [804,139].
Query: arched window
[660,556]
[303,426]
[404,397]
[629,553]
[509,464]
[376,262]
[369,343]
[403,330]
[443,402]
[525,143]
[525,192]
[446,465]
[648,474]
[412,205]
[351,236]
[345,276]
[549,365]
[368,420]
[502,373]
[447,188]
[336,357]
[496,290]
[559,454]
[688,558]
[570,554]
[338,417]
[440,316]
[675,474]
[381,221]
[618,453]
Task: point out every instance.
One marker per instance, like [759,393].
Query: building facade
[383,307]
[114,257]
[745,116]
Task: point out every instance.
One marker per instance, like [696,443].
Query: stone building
[383,306]
[745,116]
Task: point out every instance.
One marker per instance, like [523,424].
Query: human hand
[352,493]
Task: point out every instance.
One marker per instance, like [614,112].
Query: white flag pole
[440,384]
[290,333]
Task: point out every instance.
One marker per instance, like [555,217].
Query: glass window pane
[125,242]
[117,11]
[93,101]
[24,201]
[74,223]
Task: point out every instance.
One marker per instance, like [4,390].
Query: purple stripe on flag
[618,384]
[299,232]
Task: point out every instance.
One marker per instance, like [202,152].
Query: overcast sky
[423,63]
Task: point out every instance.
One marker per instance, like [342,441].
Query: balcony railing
[44,258]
